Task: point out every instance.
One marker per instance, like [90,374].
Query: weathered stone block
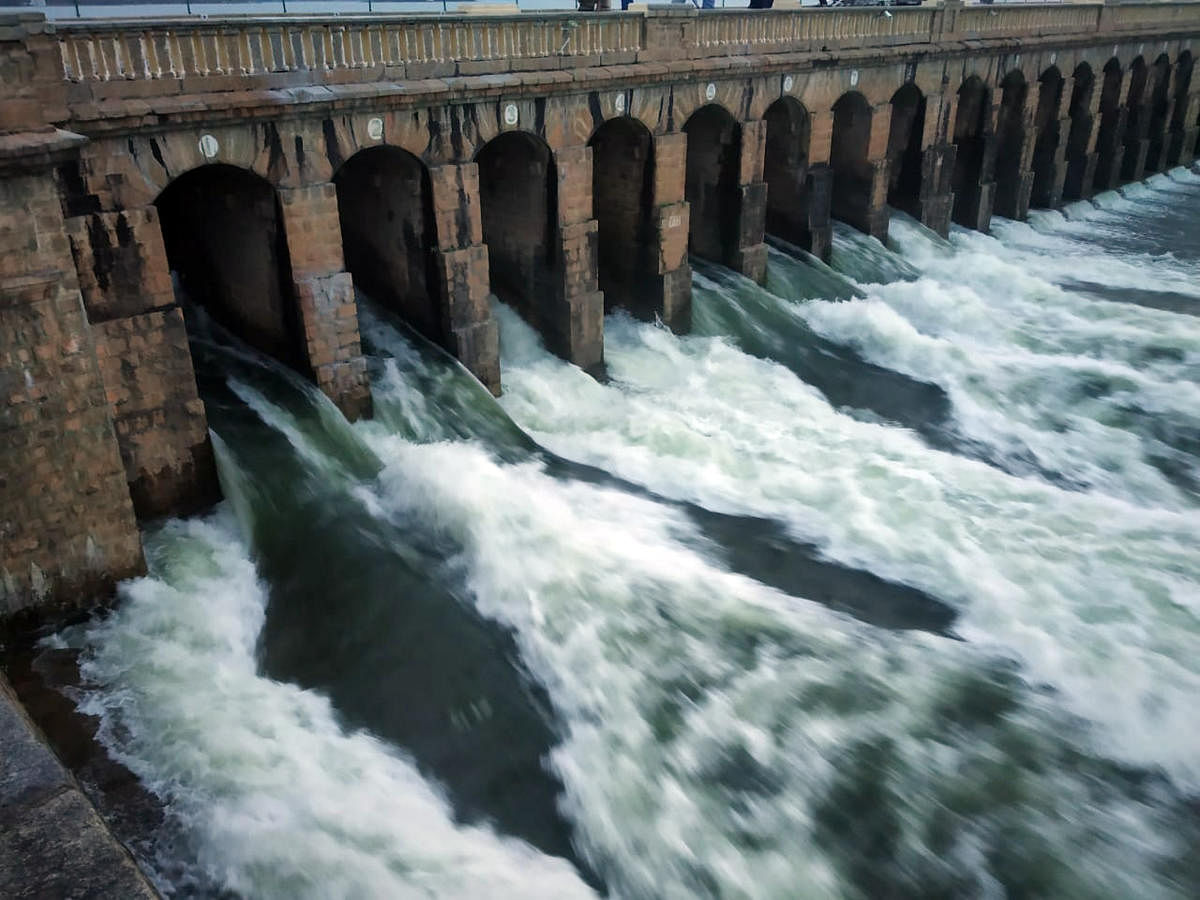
[752,262]
[120,262]
[67,529]
[464,276]
[161,427]
[752,214]
[328,315]
[671,230]
[477,346]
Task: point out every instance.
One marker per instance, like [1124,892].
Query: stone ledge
[37,149]
[53,843]
[222,106]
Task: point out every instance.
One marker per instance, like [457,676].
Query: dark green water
[881,584]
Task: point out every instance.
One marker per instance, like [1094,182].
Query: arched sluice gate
[972,165]
[1159,114]
[1177,134]
[714,150]
[853,174]
[385,206]
[797,196]
[1077,183]
[224,238]
[1045,190]
[622,201]
[518,206]
[1110,148]
[1012,200]
[1136,123]
[905,149]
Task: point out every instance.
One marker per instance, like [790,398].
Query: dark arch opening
[714,152]
[785,170]
[225,240]
[905,140]
[1183,84]
[1159,114]
[1136,122]
[1045,146]
[1109,144]
[970,136]
[853,175]
[1010,144]
[518,205]
[622,200]
[1076,183]
[385,204]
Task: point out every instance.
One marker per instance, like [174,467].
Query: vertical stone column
[1182,143]
[575,325]
[1013,177]
[936,200]
[462,272]
[1157,129]
[145,361]
[67,527]
[1048,180]
[1110,142]
[325,296]
[978,208]
[820,184]
[672,282]
[1137,127]
[877,209]
[750,255]
[1081,172]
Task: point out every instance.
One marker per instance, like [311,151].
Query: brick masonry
[67,526]
[101,402]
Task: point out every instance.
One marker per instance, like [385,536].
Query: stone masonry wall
[145,362]
[67,527]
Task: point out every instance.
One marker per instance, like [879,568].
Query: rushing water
[882,583]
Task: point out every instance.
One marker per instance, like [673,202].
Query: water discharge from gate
[566,643]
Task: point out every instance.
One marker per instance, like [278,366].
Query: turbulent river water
[884,582]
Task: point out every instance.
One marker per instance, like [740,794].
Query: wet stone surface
[52,841]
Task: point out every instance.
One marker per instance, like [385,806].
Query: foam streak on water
[271,797]
[1104,394]
[714,737]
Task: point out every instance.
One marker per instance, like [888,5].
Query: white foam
[710,720]
[276,799]
[1094,593]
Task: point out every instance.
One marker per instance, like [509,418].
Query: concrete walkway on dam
[53,843]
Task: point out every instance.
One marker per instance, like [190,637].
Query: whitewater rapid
[713,735]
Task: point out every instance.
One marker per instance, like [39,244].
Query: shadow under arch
[224,237]
[1110,148]
[853,173]
[389,235]
[1176,137]
[1047,130]
[518,194]
[1136,122]
[905,149]
[973,163]
[1012,188]
[622,204]
[714,154]
[1158,113]
[1077,182]
[797,198]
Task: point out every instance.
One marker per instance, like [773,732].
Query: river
[884,582]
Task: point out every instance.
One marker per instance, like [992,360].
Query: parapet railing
[182,49]
[773,30]
[420,46]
